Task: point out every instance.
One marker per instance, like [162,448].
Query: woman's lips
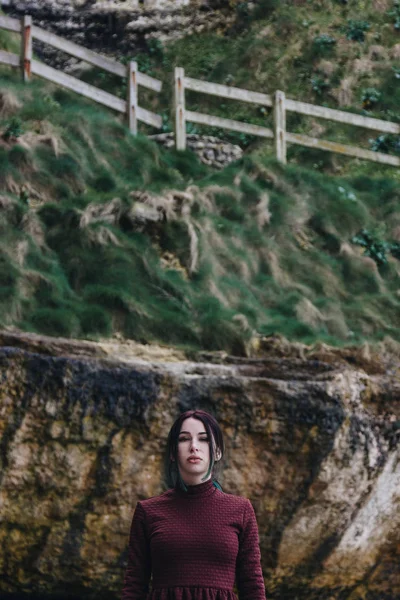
[194,459]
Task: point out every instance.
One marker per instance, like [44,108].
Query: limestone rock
[312,438]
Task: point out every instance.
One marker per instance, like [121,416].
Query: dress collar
[199,490]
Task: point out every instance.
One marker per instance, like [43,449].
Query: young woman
[194,539]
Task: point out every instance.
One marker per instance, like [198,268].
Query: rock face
[311,438]
[119,27]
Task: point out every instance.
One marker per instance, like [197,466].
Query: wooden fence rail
[129,107]
[281,106]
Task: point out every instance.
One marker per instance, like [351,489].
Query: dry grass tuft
[9,104]
[362,66]
[102,236]
[194,247]
[5,202]
[335,322]
[378,53]
[101,213]
[280,276]
[307,313]
[381,5]
[243,322]
[214,291]
[46,134]
[325,67]
[395,52]
[263,214]
[344,93]
[33,226]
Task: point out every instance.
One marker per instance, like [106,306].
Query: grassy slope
[254,248]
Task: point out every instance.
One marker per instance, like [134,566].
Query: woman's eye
[184,439]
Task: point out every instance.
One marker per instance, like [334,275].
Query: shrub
[319,85]
[323,44]
[395,14]
[355,30]
[370,97]
[388,143]
[373,246]
[104,181]
[14,129]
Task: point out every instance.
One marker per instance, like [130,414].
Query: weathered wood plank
[93,58]
[203,119]
[149,82]
[80,87]
[8,58]
[10,24]
[132,99]
[97,60]
[280,126]
[225,91]
[26,47]
[180,110]
[148,117]
[341,116]
[304,140]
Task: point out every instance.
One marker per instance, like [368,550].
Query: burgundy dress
[195,544]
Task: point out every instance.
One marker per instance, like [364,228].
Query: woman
[194,539]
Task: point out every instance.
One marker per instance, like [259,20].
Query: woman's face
[193,442]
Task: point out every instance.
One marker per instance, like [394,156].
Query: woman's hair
[172,475]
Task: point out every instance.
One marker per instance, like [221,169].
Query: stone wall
[211,150]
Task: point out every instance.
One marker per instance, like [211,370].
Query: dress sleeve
[250,580]
[138,571]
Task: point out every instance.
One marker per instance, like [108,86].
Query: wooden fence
[134,113]
[281,106]
[129,107]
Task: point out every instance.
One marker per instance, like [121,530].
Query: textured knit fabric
[194,545]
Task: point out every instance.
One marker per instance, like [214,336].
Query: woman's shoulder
[157,499]
[234,499]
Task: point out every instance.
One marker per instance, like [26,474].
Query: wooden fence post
[180,120]
[132,100]
[280,126]
[26,47]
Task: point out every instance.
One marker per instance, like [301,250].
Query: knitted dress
[195,545]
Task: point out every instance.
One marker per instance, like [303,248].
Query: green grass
[261,249]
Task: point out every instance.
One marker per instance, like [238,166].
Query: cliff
[311,438]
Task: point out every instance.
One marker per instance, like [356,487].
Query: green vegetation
[310,251]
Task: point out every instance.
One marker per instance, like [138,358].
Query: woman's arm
[138,571]
[250,581]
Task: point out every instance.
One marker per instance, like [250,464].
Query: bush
[355,30]
[14,129]
[319,85]
[370,97]
[323,44]
[388,143]
[395,14]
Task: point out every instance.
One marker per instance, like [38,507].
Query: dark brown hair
[172,475]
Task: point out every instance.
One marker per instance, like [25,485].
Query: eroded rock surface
[119,27]
[312,438]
